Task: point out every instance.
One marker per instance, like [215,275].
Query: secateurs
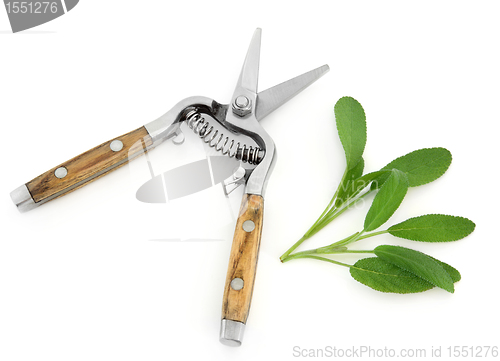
[232,129]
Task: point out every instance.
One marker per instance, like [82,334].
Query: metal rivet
[237,284]
[61,172]
[248,226]
[116,145]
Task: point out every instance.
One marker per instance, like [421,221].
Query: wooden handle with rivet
[240,277]
[81,170]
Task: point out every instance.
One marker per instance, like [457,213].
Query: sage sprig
[393,269]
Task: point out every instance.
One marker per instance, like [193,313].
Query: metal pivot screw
[237,284]
[61,172]
[242,106]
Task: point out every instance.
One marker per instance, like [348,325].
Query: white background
[80,278]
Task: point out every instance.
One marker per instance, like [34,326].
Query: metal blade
[249,75]
[271,99]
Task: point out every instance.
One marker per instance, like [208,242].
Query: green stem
[341,242]
[356,237]
[294,256]
[329,207]
[293,248]
[326,220]
[315,251]
[337,247]
[358,251]
[344,207]
[323,221]
[352,239]
[323,250]
[308,233]
[373,234]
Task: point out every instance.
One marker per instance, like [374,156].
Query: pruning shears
[233,129]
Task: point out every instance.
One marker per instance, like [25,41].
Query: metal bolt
[242,106]
[242,102]
[248,226]
[237,284]
[61,172]
[116,145]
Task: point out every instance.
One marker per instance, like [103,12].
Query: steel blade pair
[270,99]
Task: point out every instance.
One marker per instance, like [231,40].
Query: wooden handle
[89,166]
[243,260]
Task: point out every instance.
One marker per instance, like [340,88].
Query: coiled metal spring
[216,139]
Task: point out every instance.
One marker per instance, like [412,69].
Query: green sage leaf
[421,166]
[386,277]
[346,185]
[453,272]
[387,200]
[417,263]
[357,171]
[433,228]
[351,126]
